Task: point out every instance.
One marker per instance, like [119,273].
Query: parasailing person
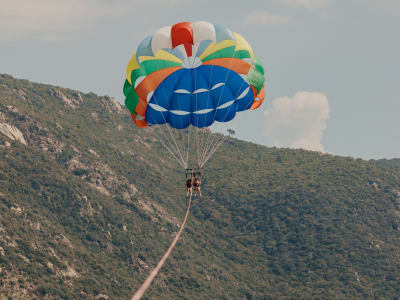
[196,184]
[189,187]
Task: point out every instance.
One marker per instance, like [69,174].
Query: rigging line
[215,139]
[201,139]
[201,130]
[235,98]
[160,127]
[211,149]
[216,148]
[172,154]
[188,146]
[197,122]
[206,145]
[198,147]
[159,76]
[226,78]
[209,94]
[181,141]
[168,140]
[154,273]
[209,145]
[166,147]
[185,145]
[180,135]
[204,133]
[226,113]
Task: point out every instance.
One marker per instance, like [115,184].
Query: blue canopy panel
[199,97]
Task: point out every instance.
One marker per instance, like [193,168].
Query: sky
[332,66]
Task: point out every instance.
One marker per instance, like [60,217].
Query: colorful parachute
[192,74]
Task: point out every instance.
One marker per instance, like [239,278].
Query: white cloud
[297,122]
[265,18]
[310,4]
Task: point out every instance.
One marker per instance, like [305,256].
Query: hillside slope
[89,203]
[393,163]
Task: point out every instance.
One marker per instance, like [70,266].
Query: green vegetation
[389,163]
[91,203]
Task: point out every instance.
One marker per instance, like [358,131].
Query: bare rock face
[93,152]
[111,104]
[133,189]
[95,116]
[78,97]
[71,102]
[12,132]
[19,93]
[50,144]
[75,164]
[12,108]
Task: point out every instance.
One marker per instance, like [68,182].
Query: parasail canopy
[192,74]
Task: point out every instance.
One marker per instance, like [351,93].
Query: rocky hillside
[89,203]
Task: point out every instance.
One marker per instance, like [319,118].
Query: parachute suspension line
[197,142]
[209,149]
[155,271]
[197,124]
[180,136]
[208,146]
[175,150]
[170,148]
[220,141]
[216,146]
[180,154]
[173,145]
[198,146]
[188,146]
[185,146]
[204,144]
[202,141]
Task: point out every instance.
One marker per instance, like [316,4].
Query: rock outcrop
[71,102]
[12,132]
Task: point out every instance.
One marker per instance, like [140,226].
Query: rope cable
[139,293]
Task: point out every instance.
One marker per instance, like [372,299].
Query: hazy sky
[332,66]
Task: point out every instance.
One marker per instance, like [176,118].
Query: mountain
[89,203]
[393,163]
